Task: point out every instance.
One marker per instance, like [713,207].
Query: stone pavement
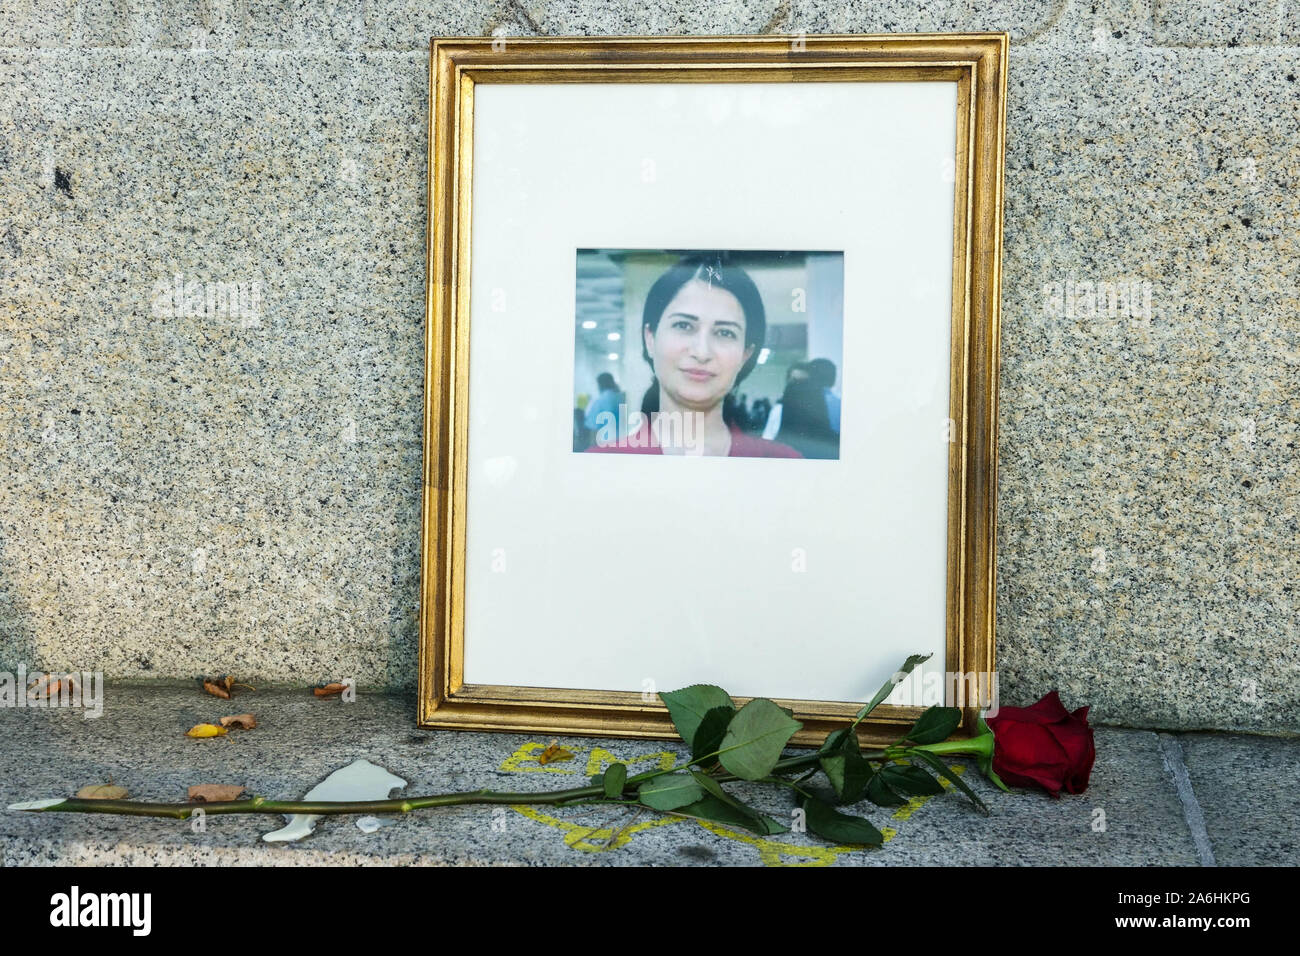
[1155,799]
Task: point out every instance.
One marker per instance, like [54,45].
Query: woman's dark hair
[716,269]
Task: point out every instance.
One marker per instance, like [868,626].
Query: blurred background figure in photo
[772,423]
[581,436]
[805,423]
[822,372]
[604,414]
[802,418]
[807,416]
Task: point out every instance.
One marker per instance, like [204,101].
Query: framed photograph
[711,383]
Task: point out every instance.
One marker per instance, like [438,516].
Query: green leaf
[844,766]
[911,781]
[669,791]
[710,785]
[760,822]
[755,738]
[829,824]
[948,774]
[833,766]
[878,792]
[835,740]
[708,737]
[714,810]
[888,687]
[614,778]
[688,706]
[936,724]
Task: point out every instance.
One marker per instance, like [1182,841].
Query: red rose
[1043,746]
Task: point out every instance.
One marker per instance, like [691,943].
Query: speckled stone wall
[230,481]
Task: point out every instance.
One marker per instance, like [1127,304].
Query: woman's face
[699,347]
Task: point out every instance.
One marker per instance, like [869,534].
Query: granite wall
[231,483]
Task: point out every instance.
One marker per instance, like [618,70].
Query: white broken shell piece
[359,780]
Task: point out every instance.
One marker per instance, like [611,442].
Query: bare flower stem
[182,811]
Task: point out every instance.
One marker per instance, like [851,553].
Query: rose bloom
[1043,745]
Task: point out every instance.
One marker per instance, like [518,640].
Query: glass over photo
[708,352]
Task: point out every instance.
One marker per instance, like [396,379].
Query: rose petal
[1030,752]
[1012,779]
[1049,709]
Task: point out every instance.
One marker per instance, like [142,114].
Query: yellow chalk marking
[594,839]
[773,852]
[916,803]
[601,758]
[524,760]
[589,839]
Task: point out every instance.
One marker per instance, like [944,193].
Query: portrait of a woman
[703,327]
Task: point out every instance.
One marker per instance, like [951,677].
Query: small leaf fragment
[329,690]
[239,722]
[102,791]
[214,792]
[205,730]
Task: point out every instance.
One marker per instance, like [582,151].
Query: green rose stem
[981,746]
[182,811]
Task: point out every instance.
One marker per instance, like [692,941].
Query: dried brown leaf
[329,690]
[101,791]
[239,722]
[553,753]
[214,792]
[219,686]
[48,687]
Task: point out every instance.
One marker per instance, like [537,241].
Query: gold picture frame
[977,63]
